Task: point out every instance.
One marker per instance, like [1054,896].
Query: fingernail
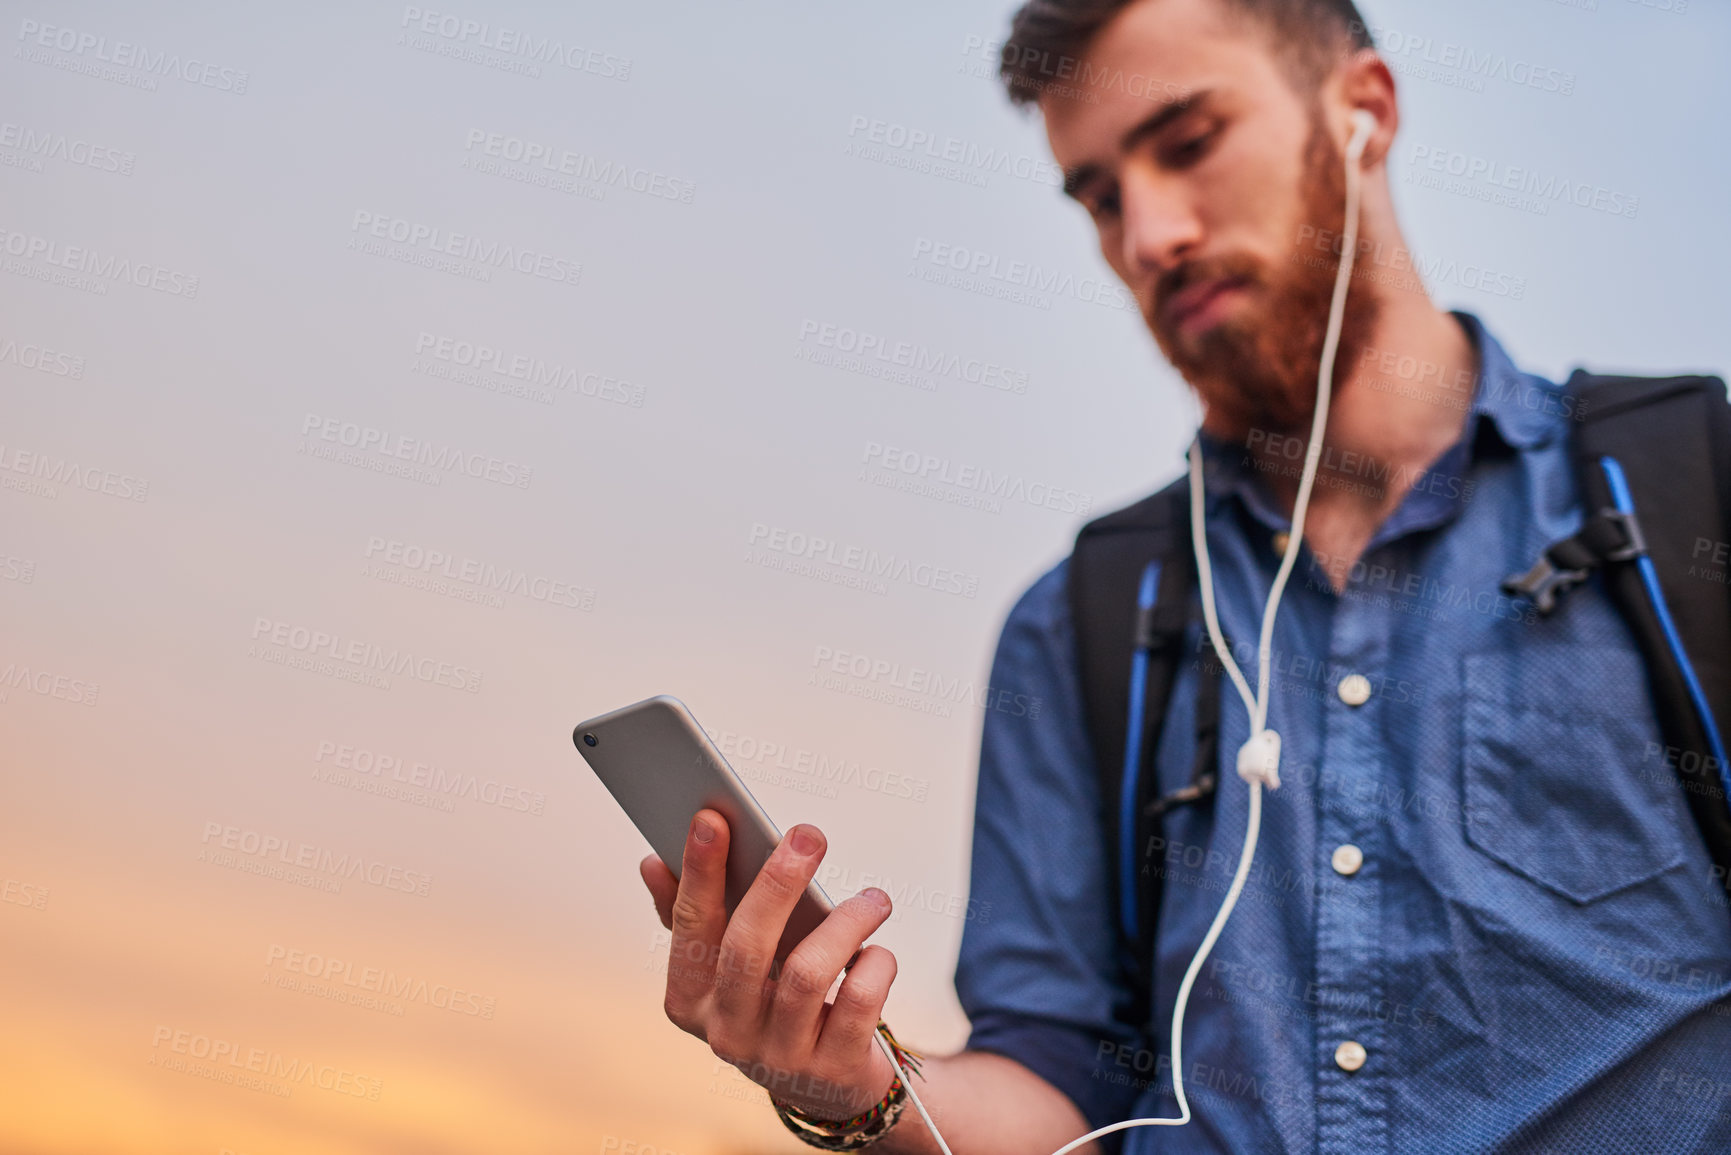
[878,897]
[804,841]
[702,830]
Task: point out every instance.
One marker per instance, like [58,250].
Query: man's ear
[1365,82]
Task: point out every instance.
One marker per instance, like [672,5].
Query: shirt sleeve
[1037,974]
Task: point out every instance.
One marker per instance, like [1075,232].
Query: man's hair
[1048,37]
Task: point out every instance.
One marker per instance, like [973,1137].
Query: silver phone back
[662,769]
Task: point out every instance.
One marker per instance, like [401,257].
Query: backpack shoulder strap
[1106,570]
[1131,576]
[1656,452]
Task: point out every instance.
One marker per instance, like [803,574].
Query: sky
[361,434]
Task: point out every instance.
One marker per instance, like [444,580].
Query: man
[1463,933]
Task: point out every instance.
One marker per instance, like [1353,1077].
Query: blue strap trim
[1650,578]
[1130,780]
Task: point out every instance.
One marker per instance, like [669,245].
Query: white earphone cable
[1257,704]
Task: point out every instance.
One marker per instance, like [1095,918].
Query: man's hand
[780,1032]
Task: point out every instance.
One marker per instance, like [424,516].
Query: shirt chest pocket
[1558,784]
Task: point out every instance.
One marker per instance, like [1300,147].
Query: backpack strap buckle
[1610,535]
[1200,787]
[1632,543]
[1543,583]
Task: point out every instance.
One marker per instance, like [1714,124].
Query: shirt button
[1349,1056]
[1346,859]
[1354,689]
[1281,541]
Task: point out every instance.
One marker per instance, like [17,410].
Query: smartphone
[662,769]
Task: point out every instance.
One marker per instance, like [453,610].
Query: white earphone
[1259,757]
[1364,123]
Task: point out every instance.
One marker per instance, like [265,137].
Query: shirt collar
[1526,410]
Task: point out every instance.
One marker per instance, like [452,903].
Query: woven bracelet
[866,1127]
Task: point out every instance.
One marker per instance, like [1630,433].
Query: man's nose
[1161,226]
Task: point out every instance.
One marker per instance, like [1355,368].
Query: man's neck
[1398,405]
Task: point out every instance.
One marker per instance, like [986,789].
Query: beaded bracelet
[866,1127]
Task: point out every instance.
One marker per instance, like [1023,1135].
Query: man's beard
[1258,371]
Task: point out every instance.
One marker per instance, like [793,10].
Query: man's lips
[1191,301]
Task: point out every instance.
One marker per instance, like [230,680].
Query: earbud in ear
[1364,123]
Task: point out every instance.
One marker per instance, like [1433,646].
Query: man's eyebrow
[1075,178]
[1161,117]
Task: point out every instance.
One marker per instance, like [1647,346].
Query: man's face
[1199,204]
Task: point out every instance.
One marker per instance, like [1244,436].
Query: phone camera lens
[589,739]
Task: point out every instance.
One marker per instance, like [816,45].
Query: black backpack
[1668,444]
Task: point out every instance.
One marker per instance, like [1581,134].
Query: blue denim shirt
[1484,874]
